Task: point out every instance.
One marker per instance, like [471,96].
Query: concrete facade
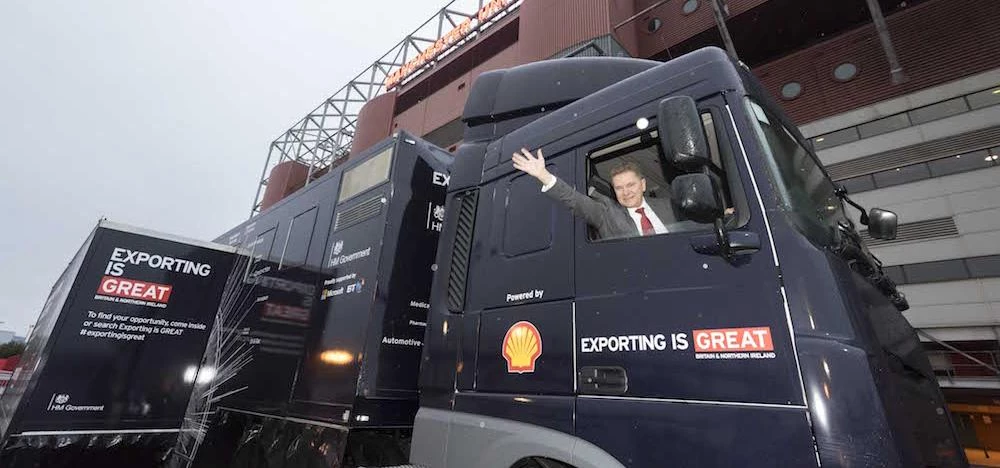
[963,312]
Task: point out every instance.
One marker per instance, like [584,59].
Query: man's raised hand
[533,166]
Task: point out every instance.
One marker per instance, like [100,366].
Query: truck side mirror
[681,136]
[697,198]
[882,224]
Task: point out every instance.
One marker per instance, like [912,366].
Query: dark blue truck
[405,303]
[758,331]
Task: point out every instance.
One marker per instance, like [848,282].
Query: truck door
[521,287]
[681,352]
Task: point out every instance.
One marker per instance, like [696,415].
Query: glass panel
[895,273]
[901,175]
[837,138]
[938,111]
[858,184]
[713,140]
[886,125]
[366,175]
[961,163]
[527,224]
[929,272]
[791,90]
[260,251]
[984,267]
[990,97]
[845,71]
[261,248]
[806,192]
[299,238]
[654,25]
[690,6]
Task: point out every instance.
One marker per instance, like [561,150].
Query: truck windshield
[806,193]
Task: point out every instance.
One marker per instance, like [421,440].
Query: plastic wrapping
[238,440]
[78,451]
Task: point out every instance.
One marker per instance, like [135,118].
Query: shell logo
[522,345]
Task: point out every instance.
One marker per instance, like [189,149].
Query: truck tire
[373,449]
[534,462]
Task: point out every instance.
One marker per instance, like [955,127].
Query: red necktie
[647,225]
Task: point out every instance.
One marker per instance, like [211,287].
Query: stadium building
[901,100]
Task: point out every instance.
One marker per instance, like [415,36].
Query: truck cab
[757,330]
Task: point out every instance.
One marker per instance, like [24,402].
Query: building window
[836,138]
[938,111]
[960,163]
[858,184]
[791,90]
[931,272]
[845,71]
[901,175]
[653,25]
[690,6]
[884,125]
[989,97]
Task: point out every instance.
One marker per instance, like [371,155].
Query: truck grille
[458,274]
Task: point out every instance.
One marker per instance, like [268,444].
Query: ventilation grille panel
[358,213]
[458,274]
[920,230]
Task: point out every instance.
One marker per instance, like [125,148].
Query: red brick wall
[549,26]
[937,42]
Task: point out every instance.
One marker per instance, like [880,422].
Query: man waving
[632,215]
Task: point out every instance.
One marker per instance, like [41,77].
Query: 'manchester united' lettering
[447,40]
[134,289]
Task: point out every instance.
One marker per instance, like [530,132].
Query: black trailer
[320,352]
[107,373]
[753,329]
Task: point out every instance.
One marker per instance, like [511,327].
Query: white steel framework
[324,136]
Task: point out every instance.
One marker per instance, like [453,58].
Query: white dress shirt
[658,226]
[551,183]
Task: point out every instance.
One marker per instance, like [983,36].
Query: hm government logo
[60,402]
[338,247]
[522,345]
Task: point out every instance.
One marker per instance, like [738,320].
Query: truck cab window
[806,192]
[617,172]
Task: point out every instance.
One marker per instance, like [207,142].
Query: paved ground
[978,457]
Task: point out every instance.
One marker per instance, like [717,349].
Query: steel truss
[324,136]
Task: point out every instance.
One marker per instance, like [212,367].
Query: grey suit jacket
[607,216]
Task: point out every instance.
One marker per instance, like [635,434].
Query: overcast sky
[157,113]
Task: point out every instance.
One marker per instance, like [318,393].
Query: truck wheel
[539,462]
[373,450]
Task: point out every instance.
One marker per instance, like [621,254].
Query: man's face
[629,188]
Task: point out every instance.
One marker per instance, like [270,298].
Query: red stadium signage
[488,11]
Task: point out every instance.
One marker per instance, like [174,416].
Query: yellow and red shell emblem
[521,347]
